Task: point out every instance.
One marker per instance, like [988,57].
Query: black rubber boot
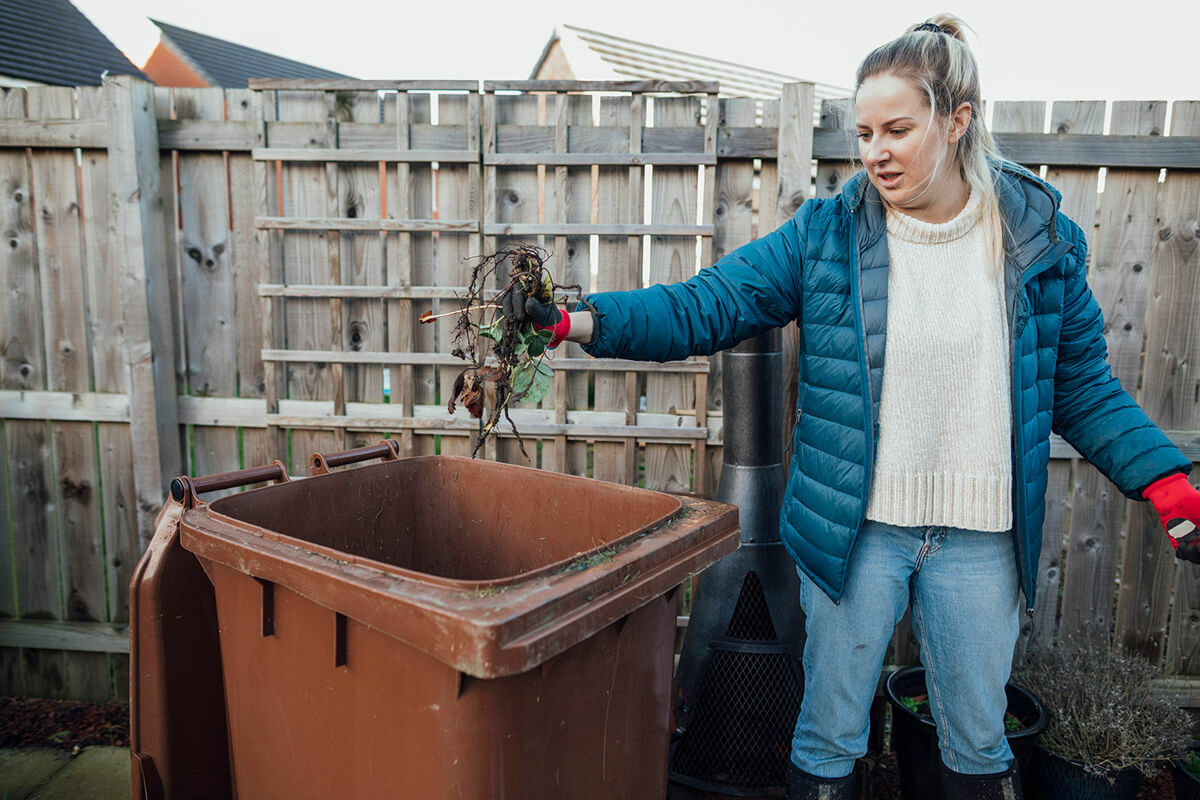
[995,786]
[802,786]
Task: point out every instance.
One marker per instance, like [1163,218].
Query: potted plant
[1185,773]
[1108,727]
[914,734]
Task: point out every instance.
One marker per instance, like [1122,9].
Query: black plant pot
[1187,785]
[914,738]
[1052,777]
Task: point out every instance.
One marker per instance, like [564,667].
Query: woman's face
[909,156]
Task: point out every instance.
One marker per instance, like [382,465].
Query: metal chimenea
[739,681]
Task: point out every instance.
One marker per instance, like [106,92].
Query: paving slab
[24,770]
[97,773]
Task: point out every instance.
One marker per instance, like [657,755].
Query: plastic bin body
[439,627]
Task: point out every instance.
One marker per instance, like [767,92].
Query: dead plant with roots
[504,351]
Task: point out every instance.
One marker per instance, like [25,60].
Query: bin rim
[487,585]
[483,629]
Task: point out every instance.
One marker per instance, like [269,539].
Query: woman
[946,328]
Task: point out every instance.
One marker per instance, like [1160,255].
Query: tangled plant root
[505,353]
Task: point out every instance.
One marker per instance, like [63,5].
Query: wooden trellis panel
[554,161]
[365,251]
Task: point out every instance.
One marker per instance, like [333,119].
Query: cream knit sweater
[945,448]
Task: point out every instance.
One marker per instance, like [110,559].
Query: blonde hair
[935,58]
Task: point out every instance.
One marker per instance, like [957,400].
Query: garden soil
[28,722]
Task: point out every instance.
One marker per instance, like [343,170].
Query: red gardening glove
[546,316]
[1178,506]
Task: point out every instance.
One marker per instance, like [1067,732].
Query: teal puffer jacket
[827,268]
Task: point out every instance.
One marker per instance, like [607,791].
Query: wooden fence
[200,280]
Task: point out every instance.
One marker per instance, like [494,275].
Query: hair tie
[929,26]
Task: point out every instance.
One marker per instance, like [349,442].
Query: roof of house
[51,41]
[230,65]
[594,55]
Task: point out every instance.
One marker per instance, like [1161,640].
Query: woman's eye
[899,131]
[863,135]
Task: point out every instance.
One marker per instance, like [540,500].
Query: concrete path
[44,773]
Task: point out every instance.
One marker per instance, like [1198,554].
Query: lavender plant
[1103,709]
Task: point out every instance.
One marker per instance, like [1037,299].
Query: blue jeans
[963,588]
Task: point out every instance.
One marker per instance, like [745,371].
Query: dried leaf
[472,398]
[426,318]
[458,387]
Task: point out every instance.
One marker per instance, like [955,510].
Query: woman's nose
[874,152]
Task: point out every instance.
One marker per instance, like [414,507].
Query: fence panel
[307,227]
[27,451]
[1171,386]
[73,507]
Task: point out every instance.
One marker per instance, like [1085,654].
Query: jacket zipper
[1018,478]
[1056,252]
[864,366]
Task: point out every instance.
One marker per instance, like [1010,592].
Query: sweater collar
[1028,206]
[917,231]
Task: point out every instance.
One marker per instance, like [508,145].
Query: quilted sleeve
[1091,410]
[752,289]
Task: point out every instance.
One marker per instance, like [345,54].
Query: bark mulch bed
[31,722]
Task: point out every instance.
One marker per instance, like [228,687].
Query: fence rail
[203,280]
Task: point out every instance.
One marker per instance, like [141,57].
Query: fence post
[794,159]
[137,246]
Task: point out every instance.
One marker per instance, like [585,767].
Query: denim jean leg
[966,618]
[844,651]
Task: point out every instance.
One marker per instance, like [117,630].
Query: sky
[1027,49]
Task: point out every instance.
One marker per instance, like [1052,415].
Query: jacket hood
[1028,205]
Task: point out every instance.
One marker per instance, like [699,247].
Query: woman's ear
[960,120]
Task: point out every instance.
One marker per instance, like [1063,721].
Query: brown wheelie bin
[431,627]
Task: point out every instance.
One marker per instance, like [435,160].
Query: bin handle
[387,450]
[185,489]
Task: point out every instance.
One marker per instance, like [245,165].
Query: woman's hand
[1178,505]
[576,326]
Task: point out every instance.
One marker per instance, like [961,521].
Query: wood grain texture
[1171,383]
[609,462]
[245,107]
[398,264]
[135,222]
[424,264]
[30,528]
[516,199]
[360,195]
[572,203]
[793,186]
[353,85]
[56,133]
[168,228]
[668,87]
[206,271]
[64,316]
[673,201]
[457,186]
[733,224]
[1094,534]
[309,190]
[1042,627]
[1123,266]
[116,490]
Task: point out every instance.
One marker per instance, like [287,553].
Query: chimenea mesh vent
[751,620]
[739,728]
